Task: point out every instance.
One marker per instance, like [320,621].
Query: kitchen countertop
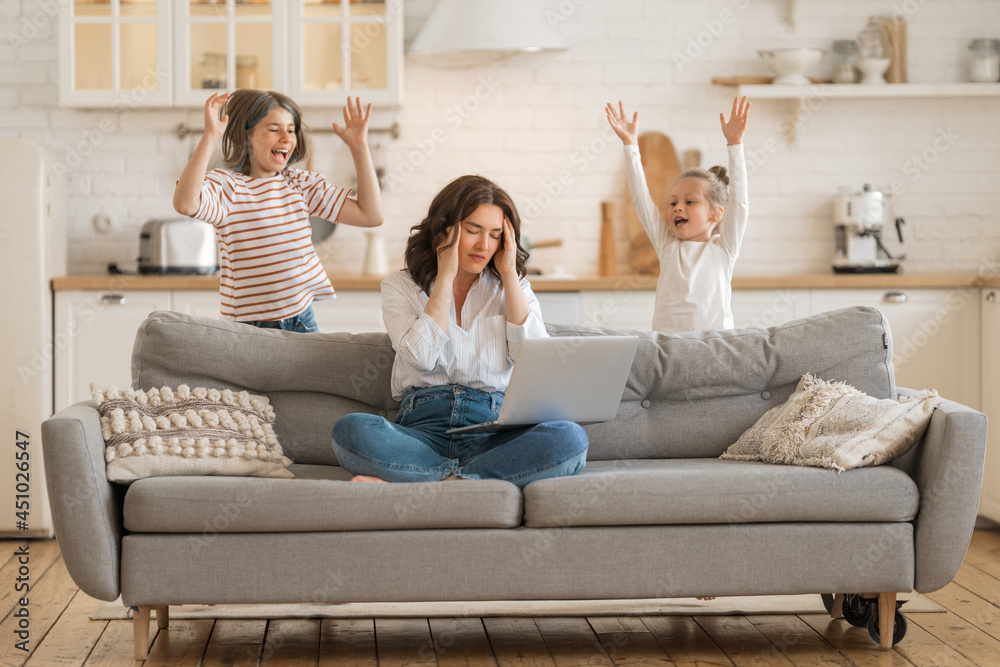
[583,283]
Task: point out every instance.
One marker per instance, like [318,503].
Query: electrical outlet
[103,223]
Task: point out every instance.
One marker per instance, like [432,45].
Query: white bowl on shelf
[873,69]
[791,64]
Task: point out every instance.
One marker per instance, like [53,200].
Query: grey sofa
[654,514]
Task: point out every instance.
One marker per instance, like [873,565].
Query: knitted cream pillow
[199,431]
[833,425]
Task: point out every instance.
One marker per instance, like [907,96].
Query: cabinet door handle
[991,297]
[113,300]
[895,297]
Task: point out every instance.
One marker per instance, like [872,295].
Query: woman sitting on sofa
[456,316]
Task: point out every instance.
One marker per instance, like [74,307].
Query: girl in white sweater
[698,240]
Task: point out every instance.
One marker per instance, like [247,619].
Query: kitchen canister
[984,60]
[845,59]
[375,263]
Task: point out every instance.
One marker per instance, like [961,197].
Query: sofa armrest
[947,465]
[86,508]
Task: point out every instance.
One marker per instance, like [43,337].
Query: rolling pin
[607,260]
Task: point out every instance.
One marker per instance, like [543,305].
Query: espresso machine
[858,219]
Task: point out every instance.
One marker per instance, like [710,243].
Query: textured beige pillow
[198,431]
[833,425]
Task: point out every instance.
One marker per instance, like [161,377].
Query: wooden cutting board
[662,167]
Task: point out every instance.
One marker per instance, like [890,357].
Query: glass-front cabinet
[115,53]
[163,53]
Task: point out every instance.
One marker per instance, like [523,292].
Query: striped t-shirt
[269,268]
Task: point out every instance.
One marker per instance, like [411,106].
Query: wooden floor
[61,632]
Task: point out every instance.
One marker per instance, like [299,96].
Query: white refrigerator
[32,252]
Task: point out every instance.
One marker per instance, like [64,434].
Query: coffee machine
[858,219]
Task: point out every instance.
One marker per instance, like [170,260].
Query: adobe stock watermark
[712,29]
[563,12]
[32,25]
[76,153]
[920,163]
[453,117]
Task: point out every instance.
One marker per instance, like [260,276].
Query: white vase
[873,69]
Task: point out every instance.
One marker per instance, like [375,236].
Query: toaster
[178,245]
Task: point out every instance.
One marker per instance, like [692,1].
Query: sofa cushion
[162,432]
[710,491]
[319,499]
[833,425]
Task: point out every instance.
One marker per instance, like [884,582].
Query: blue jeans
[304,322]
[415,448]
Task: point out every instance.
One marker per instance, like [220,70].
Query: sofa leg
[140,631]
[886,618]
[162,617]
[838,606]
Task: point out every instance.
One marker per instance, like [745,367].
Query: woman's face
[480,238]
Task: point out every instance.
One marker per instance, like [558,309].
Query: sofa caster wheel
[899,627]
[857,610]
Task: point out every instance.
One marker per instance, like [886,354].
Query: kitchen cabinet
[94,332]
[989,502]
[160,53]
[618,309]
[935,334]
[768,308]
[353,311]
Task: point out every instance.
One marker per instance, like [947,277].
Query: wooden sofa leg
[162,617]
[886,618]
[140,631]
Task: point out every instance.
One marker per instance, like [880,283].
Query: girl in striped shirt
[260,206]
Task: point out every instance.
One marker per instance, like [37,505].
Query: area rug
[755,604]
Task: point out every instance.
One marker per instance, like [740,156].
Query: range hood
[470,32]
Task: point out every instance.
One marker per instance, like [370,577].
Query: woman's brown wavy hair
[455,203]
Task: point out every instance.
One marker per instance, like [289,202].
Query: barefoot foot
[367,478]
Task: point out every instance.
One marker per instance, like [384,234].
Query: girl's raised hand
[214,125]
[733,130]
[355,130]
[627,131]
[505,258]
[447,253]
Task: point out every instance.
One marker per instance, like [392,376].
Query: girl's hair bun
[720,173]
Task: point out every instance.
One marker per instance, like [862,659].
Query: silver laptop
[576,378]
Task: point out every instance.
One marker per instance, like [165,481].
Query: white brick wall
[537,127]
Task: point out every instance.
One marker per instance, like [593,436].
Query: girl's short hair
[716,183]
[247,107]
[454,203]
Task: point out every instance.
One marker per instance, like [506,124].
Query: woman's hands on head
[355,130]
[627,131]
[447,254]
[733,130]
[215,126]
[505,258]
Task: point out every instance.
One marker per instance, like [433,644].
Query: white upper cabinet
[156,53]
[115,53]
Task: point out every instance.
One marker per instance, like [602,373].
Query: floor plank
[461,641]
[181,645]
[684,641]
[293,642]
[969,606]
[571,642]
[797,641]
[976,579]
[627,641]
[404,641]
[235,642]
[115,648]
[348,642]
[48,597]
[72,638]
[854,643]
[516,642]
[925,650]
[989,539]
[741,641]
[979,647]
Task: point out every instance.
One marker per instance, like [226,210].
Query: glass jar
[845,58]
[984,63]
[873,41]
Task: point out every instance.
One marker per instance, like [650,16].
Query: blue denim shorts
[304,322]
